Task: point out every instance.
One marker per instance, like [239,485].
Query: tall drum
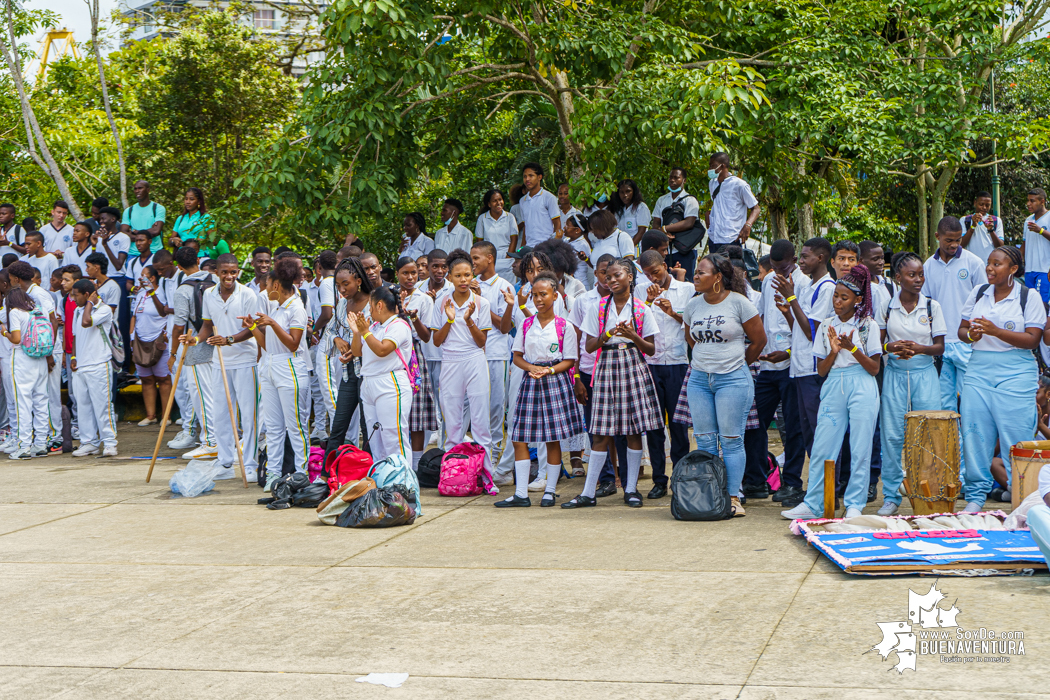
[931,461]
[1026,460]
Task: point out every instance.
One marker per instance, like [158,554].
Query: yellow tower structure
[62,42]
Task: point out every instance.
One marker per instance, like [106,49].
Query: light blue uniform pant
[1039,524]
[954,361]
[848,399]
[907,385]
[998,401]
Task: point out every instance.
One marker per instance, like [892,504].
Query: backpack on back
[199,286]
[411,365]
[699,488]
[463,472]
[559,329]
[429,470]
[39,338]
[345,464]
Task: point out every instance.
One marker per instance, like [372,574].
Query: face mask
[448,223]
[712,174]
[673,190]
[602,199]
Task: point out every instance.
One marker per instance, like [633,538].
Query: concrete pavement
[110,588]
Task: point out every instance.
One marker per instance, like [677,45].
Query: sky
[74,15]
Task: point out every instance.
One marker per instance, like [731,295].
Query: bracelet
[968,335]
[522,307]
[790,299]
[451,321]
[153,293]
[885,349]
[608,334]
[252,327]
[365,336]
[854,350]
[552,370]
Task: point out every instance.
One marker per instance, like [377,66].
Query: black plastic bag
[380,508]
[699,488]
[310,496]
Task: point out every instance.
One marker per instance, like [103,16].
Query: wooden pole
[233,417]
[167,414]
[829,488]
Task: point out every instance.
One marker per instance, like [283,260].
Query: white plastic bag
[196,478]
[1018,519]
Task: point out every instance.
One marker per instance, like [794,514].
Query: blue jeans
[719,404]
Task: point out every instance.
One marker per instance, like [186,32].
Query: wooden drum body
[931,461]
[1025,464]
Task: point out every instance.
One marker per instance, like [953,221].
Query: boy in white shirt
[982,230]
[58,235]
[92,378]
[37,256]
[1036,245]
[452,235]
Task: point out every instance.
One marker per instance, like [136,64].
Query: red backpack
[345,464]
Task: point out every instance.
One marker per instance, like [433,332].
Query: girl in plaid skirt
[624,402]
[418,306]
[546,409]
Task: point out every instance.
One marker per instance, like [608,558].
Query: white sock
[521,477]
[634,465]
[553,472]
[594,469]
[416,456]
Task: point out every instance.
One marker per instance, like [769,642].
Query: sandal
[738,509]
[580,502]
[548,500]
[633,499]
[577,470]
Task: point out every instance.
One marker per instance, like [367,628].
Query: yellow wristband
[252,327]
[790,299]
[855,349]
[451,321]
[522,307]
[365,336]
[608,334]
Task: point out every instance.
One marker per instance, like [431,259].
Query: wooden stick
[233,419]
[829,488]
[167,414]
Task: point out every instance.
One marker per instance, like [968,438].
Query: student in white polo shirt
[1036,246]
[952,272]
[734,208]
[92,375]
[414,241]
[498,227]
[982,230]
[58,235]
[452,235]
[679,205]
[494,289]
[667,297]
[38,257]
[225,307]
[628,206]
[82,247]
[539,208]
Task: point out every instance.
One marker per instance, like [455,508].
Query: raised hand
[450,310]
[833,340]
[470,311]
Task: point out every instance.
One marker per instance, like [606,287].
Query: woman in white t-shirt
[385,348]
[418,306]
[724,330]
[1003,322]
[499,227]
[149,325]
[607,238]
[849,352]
[632,214]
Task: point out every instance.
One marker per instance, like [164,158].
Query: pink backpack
[559,328]
[316,463]
[463,472]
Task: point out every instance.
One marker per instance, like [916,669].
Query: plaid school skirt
[624,399]
[546,410]
[423,415]
[681,410]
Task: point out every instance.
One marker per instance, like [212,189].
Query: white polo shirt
[420,303]
[46,265]
[865,335]
[1036,247]
[582,306]
[1005,314]
[459,345]
[880,301]
[950,282]
[496,346]
[394,329]
[118,243]
[135,267]
[612,318]
[109,292]
[56,238]
[633,217]
[915,325]
[670,341]
[778,330]
[729,209]
[815,298]
[540,344]
[981,242]
[538,212]
[617,243]
[289,316]
[224,314]
[459,237]
[16,234]
[430,351]
[92,345]
[497,232]
[419,247]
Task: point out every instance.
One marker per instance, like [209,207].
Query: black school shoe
[606,489]
[514,502]
[580,502]
[658,491]
[873,492]
[1001,495]
[548,500]
[633,499]
[756,492]
[786,492]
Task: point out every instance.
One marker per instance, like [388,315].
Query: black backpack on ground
[699,488]
[429,471]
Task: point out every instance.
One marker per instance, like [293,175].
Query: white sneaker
[224,473]
[539,484]
[854,512]
[972,507]
[182,441]
[109,452]
[146,421]
[178,421]
[270,479]
[251,475]
[202,452]
[37,451]
[888,508]
[9,446]
[75,433]
[503,479]
[799,512]
[21,454]
[85,451]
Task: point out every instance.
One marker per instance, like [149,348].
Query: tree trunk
[93,7]
[937,196]
[804,214]
[778,221]
[34,135]
[921,218]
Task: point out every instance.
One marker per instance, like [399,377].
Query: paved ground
[111,588]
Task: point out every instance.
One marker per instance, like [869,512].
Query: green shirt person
[196,223]
[144,215]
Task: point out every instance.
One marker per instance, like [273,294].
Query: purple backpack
[463,472]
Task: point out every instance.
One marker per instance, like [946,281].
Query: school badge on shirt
[924,320]
[1009,325]
[964,273]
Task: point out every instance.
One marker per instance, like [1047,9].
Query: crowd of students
[594,337]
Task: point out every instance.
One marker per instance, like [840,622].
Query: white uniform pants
[387,400]
[329,371]
[93,386]
[466,382]
[184,398]
[244,394]
[202,391]
[320,426]
[286,407]
[68,361]
[497,405]
[9,397]
[30,387]
[54,394]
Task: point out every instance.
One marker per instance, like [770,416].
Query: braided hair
[629,266]
[535,260]
[899,260]
[391,301]
[421,223]
[858,281]
[1014,256]
[355,268]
